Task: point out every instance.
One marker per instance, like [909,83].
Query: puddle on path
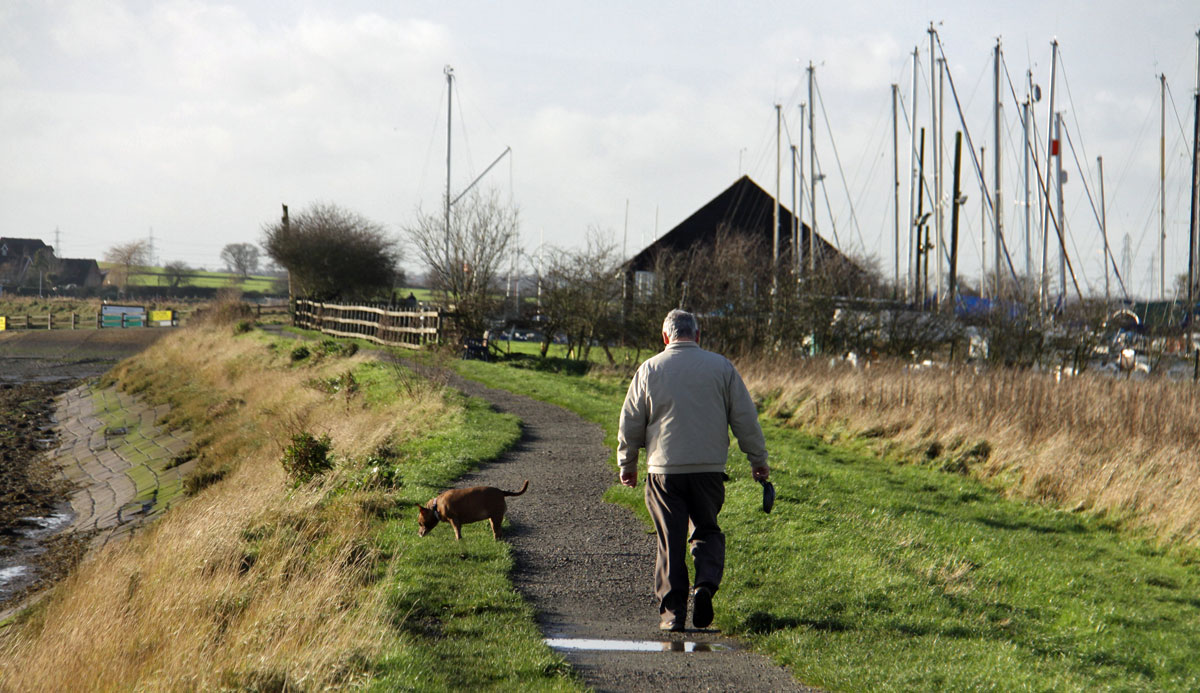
[597,645]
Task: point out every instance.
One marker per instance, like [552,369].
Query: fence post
[74,319]
[49,321]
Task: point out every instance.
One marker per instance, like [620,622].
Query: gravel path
[586,565]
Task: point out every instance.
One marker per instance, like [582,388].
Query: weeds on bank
[259,582]
[873,574]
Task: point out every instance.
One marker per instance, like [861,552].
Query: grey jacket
[680,407]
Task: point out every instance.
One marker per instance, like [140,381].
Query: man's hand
[629,478]
[761,473]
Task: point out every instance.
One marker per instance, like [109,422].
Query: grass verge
[877,575]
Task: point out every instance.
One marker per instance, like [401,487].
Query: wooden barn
[746,210]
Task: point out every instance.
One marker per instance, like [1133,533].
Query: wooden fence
[383,325]
[70,321]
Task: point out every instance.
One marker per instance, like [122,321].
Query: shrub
[202,479]
[227,309]
[332,347]
[299,353]
[307,457]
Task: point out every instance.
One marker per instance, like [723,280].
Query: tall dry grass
[252,583]
[1119,447]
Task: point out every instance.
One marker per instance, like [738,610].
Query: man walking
[680,406]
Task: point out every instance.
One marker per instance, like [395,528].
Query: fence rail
[414,329]
[69,321]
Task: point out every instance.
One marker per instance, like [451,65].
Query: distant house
[744,209]
[17,256]
[78,273]
[24,262]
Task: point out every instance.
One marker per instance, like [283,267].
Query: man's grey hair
[680,324]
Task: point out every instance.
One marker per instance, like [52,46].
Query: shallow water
[17,569]
[598,645]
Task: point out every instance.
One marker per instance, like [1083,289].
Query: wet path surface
[586,565]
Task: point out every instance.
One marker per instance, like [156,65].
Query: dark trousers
[684,508]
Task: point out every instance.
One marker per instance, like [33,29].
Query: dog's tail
[517,493]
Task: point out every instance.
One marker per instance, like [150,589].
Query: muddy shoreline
[36,368]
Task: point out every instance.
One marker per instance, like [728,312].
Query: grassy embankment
[878,573]
[257,582]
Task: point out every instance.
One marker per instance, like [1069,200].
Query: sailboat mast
[1194,223]
[778,174]
[1042,288]
[913,241]
[982,222]
[449,71]
[1162,186]
[934,140]
[800,204]
[812,173]
[997,207]
[1104,228]
[1025,181]
[939,148]
[794,228]
[896,188]
[1062,241]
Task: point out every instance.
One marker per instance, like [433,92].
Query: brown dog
[460,506]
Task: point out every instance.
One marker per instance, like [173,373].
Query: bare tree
[464,261]
[126,257]
[581,295]
[241,258]
[175,272]
[330,252]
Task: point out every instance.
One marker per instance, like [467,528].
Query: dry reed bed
[1119,447]
[251,583]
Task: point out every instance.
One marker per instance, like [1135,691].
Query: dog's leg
[495,522]
[457,530]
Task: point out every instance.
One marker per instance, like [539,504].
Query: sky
[189,123]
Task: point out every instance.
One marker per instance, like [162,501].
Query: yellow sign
[3,323]
[161,315]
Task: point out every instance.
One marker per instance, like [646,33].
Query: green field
[155,276]
[876,574]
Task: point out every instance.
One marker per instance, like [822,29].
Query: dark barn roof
[79,271]
[20,247]
[743,208]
